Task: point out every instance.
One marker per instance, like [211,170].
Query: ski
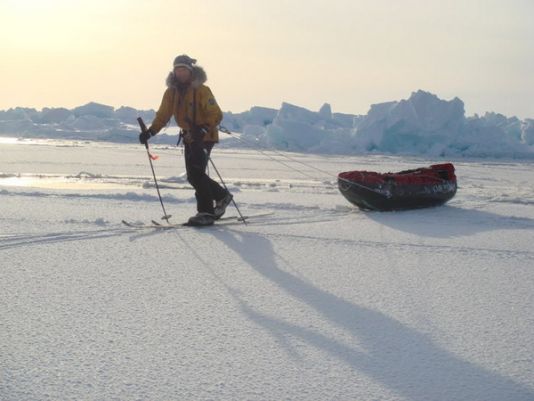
[223,220]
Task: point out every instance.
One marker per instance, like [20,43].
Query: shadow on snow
[402,359]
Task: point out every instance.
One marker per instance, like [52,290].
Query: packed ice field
[313,299]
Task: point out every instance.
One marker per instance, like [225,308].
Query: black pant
[206,190]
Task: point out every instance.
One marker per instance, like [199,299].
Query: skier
[197,114]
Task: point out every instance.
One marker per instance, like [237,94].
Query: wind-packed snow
[422,125]
[316,301]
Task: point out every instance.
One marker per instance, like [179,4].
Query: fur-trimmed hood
[199,77]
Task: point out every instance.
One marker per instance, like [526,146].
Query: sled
[409,189]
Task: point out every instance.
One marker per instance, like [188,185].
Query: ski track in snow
[316,301]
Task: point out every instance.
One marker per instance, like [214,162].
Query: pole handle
[142,124]
[143,129]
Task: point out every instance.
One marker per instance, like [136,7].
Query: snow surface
[421,125]
[318,301]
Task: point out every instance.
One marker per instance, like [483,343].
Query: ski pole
[225,187]
[144,129]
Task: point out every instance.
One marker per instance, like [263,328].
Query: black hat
[184,61]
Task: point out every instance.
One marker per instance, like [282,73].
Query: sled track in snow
[503,253]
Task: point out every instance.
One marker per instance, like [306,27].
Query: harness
[191,122]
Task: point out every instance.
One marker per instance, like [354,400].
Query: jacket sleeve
[211,112]
[164,113]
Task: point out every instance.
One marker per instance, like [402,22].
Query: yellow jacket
[179,102]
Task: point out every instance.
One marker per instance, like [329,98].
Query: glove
[145,136]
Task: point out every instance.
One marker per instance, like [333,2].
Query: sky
[349,53]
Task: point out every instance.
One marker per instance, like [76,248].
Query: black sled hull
[397,197]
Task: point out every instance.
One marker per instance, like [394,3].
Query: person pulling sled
[197,114]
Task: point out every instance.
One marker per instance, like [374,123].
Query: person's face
[183,75]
